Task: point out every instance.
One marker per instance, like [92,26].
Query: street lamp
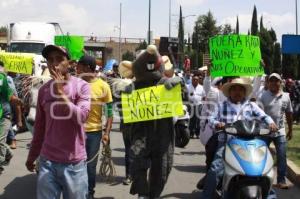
[120,32]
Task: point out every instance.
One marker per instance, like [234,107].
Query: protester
[187,77]
[276,103]
[152,142]
[236,104]
[187,63]
[5,123]
[100,97]
[62,108]
[296,101]
[196,94]
[125,71]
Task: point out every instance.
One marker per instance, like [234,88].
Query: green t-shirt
[5,92]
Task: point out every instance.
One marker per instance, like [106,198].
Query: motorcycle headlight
[255,155]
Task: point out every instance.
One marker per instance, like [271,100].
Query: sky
[101,18]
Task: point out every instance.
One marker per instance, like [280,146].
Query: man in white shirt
[196,94]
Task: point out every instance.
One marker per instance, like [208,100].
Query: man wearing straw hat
[235,107]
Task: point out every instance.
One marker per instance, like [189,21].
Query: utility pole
[296,1]
[149,25]
[120,33]
[169,18]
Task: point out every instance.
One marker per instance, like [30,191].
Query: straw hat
[125,69]
[238,81]
[167,63]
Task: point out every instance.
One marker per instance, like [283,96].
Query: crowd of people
[65,115]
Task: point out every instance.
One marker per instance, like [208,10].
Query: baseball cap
[276,75]
[88,61]
[51,48]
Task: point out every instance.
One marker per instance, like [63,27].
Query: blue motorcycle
[248,162]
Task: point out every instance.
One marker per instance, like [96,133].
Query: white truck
[32,37]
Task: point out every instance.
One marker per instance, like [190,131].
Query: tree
[205,28]
[237,26]
[143,45]
[180,41]
[254,24]
[266,47]
[261,25]
[129,56]
[289,64]
[277,59]
[3,29]
[227,29]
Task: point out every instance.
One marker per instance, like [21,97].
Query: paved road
[17,183]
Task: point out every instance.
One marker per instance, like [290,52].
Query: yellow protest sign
[17,62]
[152,103]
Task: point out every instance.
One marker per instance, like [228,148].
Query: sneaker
[1,170]
[143,197]
[127,181]
[13,144]
[282,185]
[8,157]
[91,196]
[200,184]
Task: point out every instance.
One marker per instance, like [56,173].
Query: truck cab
[32,37]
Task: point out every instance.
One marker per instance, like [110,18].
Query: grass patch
[293,149]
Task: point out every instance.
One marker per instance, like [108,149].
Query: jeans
[66,178]
[126,140]
[215,173]
[280,145]
[5,151]
[194,125]
[93,140]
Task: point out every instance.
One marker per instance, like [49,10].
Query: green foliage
[293,149]
[181,41]
[261,26]
[3,29]
[227,29]
[205,27]
[277,59]
[267,49]
[254,24]
[142,46]
[129,56]
[289,65]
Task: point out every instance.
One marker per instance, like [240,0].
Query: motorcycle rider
[234,108]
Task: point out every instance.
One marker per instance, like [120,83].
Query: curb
[293,171]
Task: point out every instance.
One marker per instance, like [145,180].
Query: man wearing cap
[234,108]
[63,106]
[276,103]
[100,96]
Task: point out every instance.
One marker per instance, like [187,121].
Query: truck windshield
[35,48]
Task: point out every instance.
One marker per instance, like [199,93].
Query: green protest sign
[152,103]
[74,44]
[235,55]
[17,62]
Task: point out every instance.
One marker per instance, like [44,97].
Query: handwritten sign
[152,103]
[17,62]
[74,44]
[235,55]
